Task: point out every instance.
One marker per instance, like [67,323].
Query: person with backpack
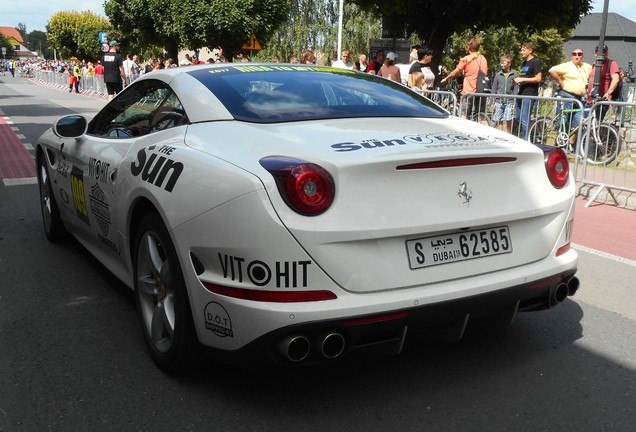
[610,83]
[473,66]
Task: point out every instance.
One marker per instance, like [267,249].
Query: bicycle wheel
[603,145]
[543,131]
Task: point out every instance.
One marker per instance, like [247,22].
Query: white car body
[238,241]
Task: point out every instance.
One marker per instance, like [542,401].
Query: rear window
[269,94]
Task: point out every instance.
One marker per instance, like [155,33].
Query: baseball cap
[391,56]
[114,43]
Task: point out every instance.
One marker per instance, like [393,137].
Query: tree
[144,25]
[21,28]
[229,24]
[5,43]
[76,33]
[435,21]
[314,24]
[38,42]
[196,23]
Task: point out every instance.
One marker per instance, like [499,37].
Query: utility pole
[599,54]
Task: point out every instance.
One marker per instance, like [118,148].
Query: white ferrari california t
[301,214]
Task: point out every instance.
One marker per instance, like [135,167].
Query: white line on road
[19,182]
[605,255]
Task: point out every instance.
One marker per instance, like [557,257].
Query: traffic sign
[104,47]
[254,45]
[103,37]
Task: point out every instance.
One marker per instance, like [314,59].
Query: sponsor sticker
[430,140]
[217,320]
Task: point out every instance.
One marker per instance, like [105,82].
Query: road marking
[19,182]
[16,161]
[605,255]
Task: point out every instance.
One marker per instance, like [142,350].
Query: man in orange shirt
[470,66]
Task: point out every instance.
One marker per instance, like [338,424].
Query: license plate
[460,246]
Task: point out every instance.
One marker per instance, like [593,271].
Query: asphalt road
[72,356]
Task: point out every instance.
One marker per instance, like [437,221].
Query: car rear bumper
[386,332]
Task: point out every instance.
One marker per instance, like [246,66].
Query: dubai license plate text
[460,246]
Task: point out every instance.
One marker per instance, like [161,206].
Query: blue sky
[36,13]
[626,8]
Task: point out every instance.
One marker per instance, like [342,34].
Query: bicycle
[603,144]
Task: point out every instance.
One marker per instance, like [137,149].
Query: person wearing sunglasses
[572,77]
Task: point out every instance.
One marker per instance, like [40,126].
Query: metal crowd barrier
[615,140]
[602,155]
[90,84]
[446,99]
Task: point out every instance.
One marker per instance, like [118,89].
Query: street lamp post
[599,54]
[340,28]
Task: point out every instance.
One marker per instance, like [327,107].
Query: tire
[161,297]
[604,146]
[53,225]
[542,131]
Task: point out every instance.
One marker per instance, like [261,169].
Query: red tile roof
[11,33]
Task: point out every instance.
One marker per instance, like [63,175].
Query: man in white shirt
[128,64]
[345,61]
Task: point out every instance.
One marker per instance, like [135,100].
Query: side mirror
[70,126]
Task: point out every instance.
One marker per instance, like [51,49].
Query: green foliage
[4,42]
[75,34]
[145,26]
[229,24]
[21,28]
[37,41]
[314,24]
[195,24]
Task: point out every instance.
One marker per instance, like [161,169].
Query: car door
[139,113]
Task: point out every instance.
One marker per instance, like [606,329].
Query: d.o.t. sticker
[217,320]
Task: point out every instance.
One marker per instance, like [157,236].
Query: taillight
[307,188]
[556,165]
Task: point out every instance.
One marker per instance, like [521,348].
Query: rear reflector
[377,318]
[457,162]
[563,249]
[271,296]
[545,282]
